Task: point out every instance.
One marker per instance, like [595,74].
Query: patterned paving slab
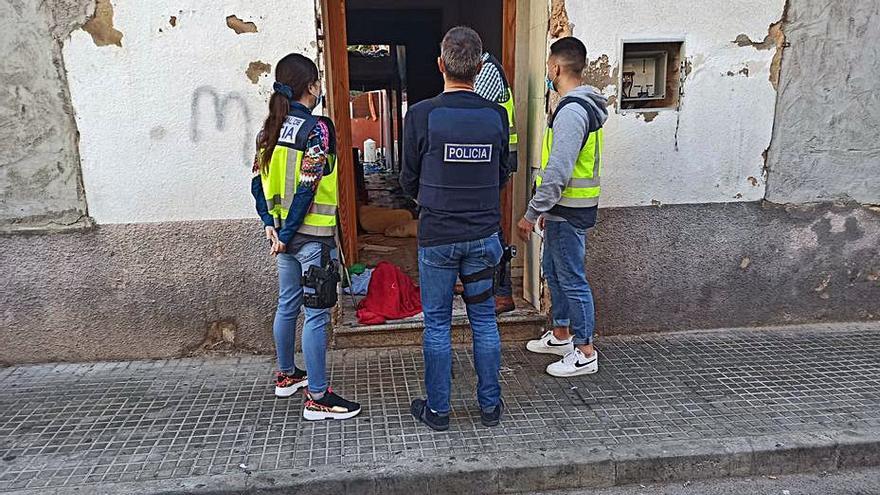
[69,425]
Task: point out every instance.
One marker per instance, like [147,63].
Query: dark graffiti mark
[223,105]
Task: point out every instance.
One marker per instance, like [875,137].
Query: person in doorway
[492,84]
[455,151]
[295,189]
[565,204]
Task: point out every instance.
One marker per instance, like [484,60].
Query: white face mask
[319,98]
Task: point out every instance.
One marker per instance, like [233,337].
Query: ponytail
[293,75]
[278,108]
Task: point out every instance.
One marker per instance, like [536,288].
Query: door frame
[335,37]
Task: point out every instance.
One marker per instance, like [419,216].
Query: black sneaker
[420,411]
[287,384]
[493,418]
[331,406]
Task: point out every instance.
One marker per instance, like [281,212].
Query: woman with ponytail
[295,191]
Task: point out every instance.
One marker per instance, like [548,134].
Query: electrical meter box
[644,76]
[650,74]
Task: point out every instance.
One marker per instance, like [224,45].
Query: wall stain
[612,101]
[775,38]
[157,133]
[173,21]
[647,116]
[560,26]
[743,72]
[256,69]
[598,73]
[240,26]
[753,181]
[100,26]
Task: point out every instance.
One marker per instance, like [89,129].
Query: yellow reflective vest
[583,188]
[281,178]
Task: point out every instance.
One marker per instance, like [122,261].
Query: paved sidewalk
[212,424]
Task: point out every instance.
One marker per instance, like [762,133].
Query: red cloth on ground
[391,295]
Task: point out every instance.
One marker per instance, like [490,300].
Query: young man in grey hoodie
[564,206]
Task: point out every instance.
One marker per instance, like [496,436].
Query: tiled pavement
[80,425]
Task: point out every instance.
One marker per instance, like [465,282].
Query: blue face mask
[549,83]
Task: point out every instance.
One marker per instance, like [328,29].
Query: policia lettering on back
[583,187]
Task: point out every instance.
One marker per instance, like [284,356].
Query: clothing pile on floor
[391,295]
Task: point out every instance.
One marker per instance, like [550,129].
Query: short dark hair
[461,51]
[571,54]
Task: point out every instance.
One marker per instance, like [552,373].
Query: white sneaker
[575,364]
[548,344]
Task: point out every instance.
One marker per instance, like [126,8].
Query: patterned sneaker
[331,406]
[287,385]
[548,344]
[575,364]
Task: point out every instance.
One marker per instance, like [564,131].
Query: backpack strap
[593,123]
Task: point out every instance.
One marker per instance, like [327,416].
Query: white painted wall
[152,149]
[725,122]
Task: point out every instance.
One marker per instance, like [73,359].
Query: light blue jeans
[439,266]
[290,299]
[570,294]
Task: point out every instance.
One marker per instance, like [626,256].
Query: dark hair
[461,51]
[297,72]
[571,54]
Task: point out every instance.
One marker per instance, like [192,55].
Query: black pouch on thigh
[322,279]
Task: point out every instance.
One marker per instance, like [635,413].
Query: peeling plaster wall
[40,180]
[725,122]
[826,142]
[167,120]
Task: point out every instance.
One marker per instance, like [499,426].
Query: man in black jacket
[455,152]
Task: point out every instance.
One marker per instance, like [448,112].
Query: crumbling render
[256,69]
[560,27]
[598,73]
[240,26]
[775,38]
[100,26]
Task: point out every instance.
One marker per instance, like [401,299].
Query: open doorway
[393,47]
[390,49]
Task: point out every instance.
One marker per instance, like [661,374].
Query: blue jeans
[570,295]
[290,299]
[438,268]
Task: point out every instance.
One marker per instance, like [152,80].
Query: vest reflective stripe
[511,119]
[279,187]
[317,231]
[321,217]
[584,186]
[322,209]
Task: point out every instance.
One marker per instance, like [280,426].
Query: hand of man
[525,228]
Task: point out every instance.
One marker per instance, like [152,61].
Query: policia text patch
[468,153]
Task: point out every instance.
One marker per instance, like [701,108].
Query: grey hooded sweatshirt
[570,126]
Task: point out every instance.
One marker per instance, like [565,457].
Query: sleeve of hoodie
[569,129]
